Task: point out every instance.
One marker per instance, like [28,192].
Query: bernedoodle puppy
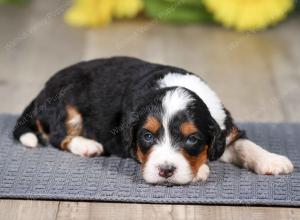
[165,117]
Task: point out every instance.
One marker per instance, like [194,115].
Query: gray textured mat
[47,173]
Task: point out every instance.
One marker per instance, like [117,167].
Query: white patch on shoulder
[85,147]
[196,85]
[29,139]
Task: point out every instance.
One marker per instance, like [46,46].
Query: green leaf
[13,1]
[177,11]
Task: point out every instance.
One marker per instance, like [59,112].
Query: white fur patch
[174,101]
[196,85]
[245,153]
[166,155]
[29,139]
[202,173]
[85,147]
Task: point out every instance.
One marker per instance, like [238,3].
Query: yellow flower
[94,13]
[249,15]
[127,8]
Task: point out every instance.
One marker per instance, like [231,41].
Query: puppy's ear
[129,125]
[217,141]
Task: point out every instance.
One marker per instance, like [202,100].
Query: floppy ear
[217,141]
[129,124]
[134,107]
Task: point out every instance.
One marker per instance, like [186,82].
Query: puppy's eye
[192,139]
[148,137]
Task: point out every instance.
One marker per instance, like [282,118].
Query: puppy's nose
[166,171]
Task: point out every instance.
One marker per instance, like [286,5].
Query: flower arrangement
[240,15]
[245,15]
[101,12]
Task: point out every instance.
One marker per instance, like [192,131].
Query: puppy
[166,118]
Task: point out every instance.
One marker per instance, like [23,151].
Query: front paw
[202,173]
[273,164]
[85,147]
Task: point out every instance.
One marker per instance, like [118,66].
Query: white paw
[29,139]
[85,147]
[202,173]
[273,164]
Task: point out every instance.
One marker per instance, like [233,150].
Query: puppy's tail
[25,129]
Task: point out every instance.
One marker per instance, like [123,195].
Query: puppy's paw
[273,164]
[29,139]
[202,173]
[85,147]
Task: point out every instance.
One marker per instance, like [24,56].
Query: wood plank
[28,210]
[14,21]
[136,38]
[284,59]
[42,46]
[13,24]
[88,211]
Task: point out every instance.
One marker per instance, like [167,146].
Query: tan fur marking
[196,161]
[188,128]
[232,136]
[141,156]
[41,129]
[73,125]
[152,124]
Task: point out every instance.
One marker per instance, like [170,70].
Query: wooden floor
[256,74]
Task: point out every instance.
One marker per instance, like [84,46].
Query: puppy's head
[172,135]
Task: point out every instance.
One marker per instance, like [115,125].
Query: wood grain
[39,45]
[38,210]
[284,60]
[28,210]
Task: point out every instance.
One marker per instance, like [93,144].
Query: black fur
[113,96]
[218,141]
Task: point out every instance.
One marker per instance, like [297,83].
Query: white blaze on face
[198,86]
[163,153]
